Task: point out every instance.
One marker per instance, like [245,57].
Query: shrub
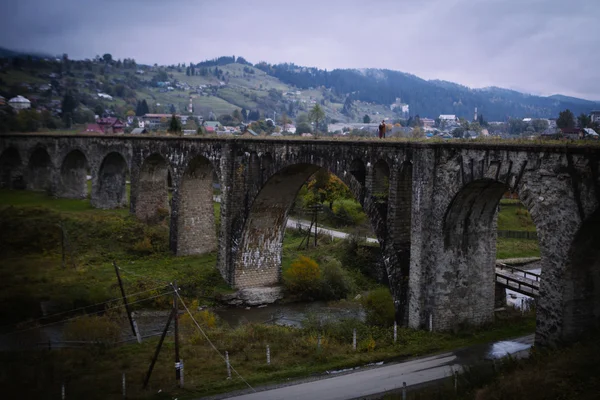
[367,345]
[303,277]
[379,307]
[349,212]
[336,283]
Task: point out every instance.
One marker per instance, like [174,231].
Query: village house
[93,128]
[111,125]
[19,103]
[155,121]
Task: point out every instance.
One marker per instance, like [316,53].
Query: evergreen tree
[244,114]
[187,71]
[316,114]
[366,119]
[174,125]
[145,109]
[566,119]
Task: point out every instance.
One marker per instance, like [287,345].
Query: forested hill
[427,98]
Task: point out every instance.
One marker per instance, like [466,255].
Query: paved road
[294,224]
[374,381]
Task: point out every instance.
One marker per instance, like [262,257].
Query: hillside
[223,85]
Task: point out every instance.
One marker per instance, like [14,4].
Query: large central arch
[259,260]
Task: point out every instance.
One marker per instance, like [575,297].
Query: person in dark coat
[382,128]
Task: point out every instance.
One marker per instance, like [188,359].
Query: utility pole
[316,212]
[125,300]
[176,332]
[62,243]
[162,338]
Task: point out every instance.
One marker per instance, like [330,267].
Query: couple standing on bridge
[382,129]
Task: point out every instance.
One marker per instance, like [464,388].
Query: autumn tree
[325,187]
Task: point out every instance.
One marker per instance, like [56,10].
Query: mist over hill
[427,97]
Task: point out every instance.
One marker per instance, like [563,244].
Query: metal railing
[525,273]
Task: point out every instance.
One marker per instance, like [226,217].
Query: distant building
[93,128]
[2,101]
[111,125]
[212,124]
[19,103]
[448,117]
[595,115]
[138,131]
[154,121]
[428,122]
[105,96]
[590,133]
[572,133]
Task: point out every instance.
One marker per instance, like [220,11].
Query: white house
[448,117]
[105,96]
[19,103]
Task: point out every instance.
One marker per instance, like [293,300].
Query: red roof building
[93,128]
[111,125]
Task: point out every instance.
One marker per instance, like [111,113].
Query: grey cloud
[540,46]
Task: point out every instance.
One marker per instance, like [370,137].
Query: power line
[80,316]
[92,305]
[211,343]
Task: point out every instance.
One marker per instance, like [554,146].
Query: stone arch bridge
[432,207]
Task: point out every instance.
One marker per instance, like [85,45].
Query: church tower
[191,106]
[475,117]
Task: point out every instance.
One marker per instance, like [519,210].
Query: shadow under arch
[73,176]
[153,188]
[39,170]
[465,287]
[11,175]
[195,219]
[110,188]
[581,283]
[258,259]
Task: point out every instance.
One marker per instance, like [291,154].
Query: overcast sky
[536,46]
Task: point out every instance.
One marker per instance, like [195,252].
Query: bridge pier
[446,193]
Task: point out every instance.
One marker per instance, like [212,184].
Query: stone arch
[11,169]
[196,229]
[73,176]
[358,170]
[381,180]
[399,231]
[152,188]
[258,259]
[581,283]
[40,170]
[110,190]
[469,242]
[266,163]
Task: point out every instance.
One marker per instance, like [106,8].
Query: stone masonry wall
[454,188]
